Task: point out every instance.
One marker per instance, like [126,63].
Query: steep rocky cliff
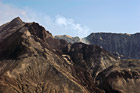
[32,61]
[127,45]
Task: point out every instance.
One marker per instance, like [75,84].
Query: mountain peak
[16,21]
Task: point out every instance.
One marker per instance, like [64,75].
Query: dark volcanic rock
[32,61]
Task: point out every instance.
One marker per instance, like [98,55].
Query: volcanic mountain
[33,61]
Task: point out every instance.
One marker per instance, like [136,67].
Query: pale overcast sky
[76,17]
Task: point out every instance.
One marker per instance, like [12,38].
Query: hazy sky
[76,17]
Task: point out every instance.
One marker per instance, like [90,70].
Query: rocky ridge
[124,46]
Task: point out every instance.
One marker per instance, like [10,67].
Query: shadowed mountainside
[127,45]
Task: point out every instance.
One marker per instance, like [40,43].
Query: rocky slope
[31,64]
[32,61]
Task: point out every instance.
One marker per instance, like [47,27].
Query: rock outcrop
[33,61]
[124,78]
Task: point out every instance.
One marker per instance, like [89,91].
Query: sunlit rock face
[33,61]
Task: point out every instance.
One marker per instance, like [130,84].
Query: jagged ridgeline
[33,61]
[124,46]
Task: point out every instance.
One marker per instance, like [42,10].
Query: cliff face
[32,61]
[127,45]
